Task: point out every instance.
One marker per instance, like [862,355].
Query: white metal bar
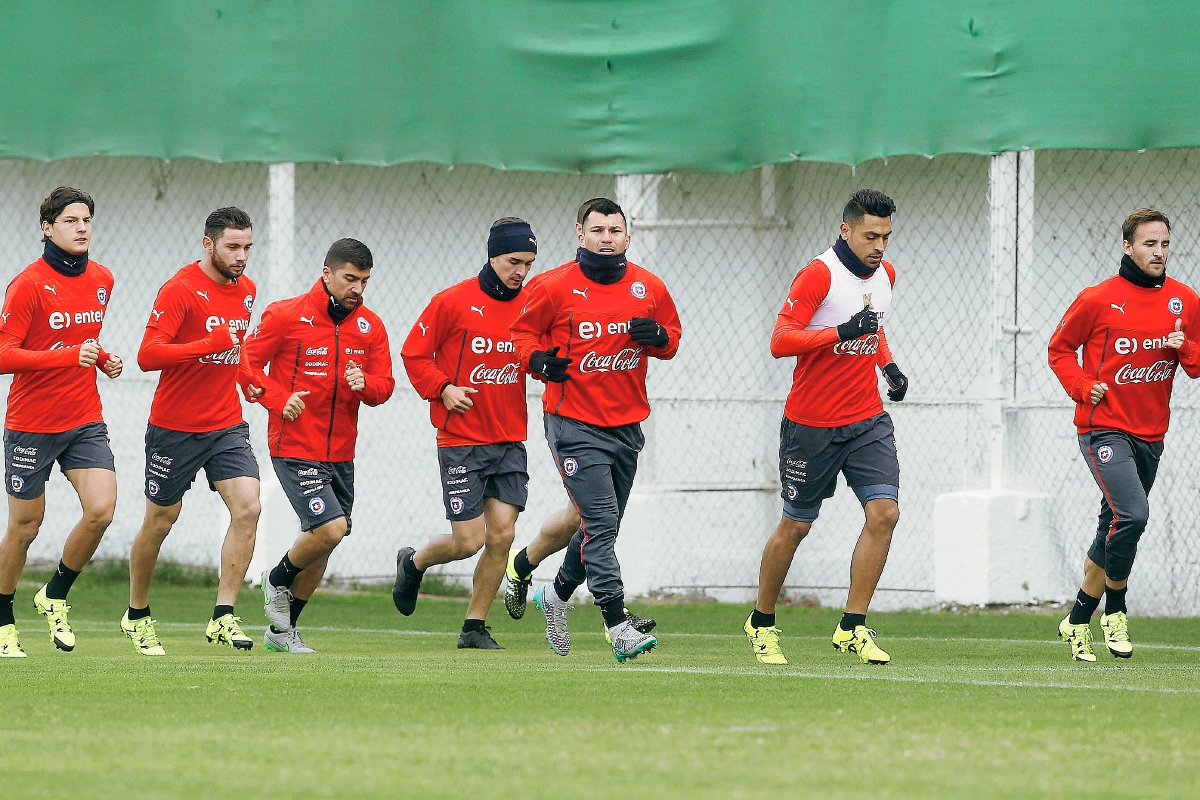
[281,250]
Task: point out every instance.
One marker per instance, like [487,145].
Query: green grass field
[974,705]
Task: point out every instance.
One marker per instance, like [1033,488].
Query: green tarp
[590,86]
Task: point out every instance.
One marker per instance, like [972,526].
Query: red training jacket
[1121,328]
[307,351]
[589,321]
[462,338]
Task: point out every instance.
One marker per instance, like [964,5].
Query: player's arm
[158,350]
[530,329]
[419,348]
[808,291]
[260,349]
[1187,350]
[20,304]
[374,381]
[659,333]
[1071,334]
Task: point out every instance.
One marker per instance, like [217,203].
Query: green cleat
[288,641]
[861,641]
[1116,634]
[628,642]
[516,588]
[10,647]
[1080,639]
[55,612]
[765,642]
[141,632]
[228,631]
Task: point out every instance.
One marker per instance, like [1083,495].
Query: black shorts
[29,457]
[811,458]
[473,472]
[319,491]
[173,458]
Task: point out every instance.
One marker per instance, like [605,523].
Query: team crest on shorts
[364,326]
[1175,305]
[570,466]
[316,506]
[18,484]
[248,302]
[1105,454]
[153,488]
[792,492]
[638,290]
[102,296]
[456,505]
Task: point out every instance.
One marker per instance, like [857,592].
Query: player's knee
[98,516]
[794,530]
[501,538]
[883,516]
[1137,519]
[246,513]
[332,532]
[25,528]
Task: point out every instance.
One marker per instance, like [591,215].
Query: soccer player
[327,354]
[194,337]
[49,342]
[833,421]
[1134,329]
[460,358]
[606,316]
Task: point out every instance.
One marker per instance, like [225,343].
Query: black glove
[896,381]
[863,323]
[645,331]
[547,364]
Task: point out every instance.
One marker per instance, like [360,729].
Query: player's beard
[228,269]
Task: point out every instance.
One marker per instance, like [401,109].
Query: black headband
[511,237]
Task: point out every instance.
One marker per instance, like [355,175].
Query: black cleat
[404,592]
[478,640]
[640,624]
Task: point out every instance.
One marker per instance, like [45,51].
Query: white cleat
[277,603]
[286,642]
[556,619]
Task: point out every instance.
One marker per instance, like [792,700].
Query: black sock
[1114,600]
[6,612]
[614,612]
[220,611]
[297,605]
[1085,606]
[522,565]
[284,574]
[472,625]
[760,620]
[135,614]
[851,621]
[60,584]
[276,630]
[410,567]
[563,591]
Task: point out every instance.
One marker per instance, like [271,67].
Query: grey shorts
[472,472]
[174,458]
[319,491]
[29,457]
[811,458]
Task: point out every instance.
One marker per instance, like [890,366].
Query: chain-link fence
[707,494]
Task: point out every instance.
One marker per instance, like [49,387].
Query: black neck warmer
[1133,273]
[493,287]
[598,268]
[63,262]
[852,262]
[336,310]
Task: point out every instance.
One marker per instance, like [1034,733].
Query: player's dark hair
[59,199]
[867,201]
[506,220]
[349,251]
[602,206]
[225,219]
[1130,225]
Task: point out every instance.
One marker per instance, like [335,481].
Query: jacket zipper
[337,352]
[295,370]
[562,391]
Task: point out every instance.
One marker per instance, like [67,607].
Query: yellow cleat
[1116,634]
[861,641]
[141,632]
[227,630]
[1080,639]
[55,612]
[765,642]
[10,647]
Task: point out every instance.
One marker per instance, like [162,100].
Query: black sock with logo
[284,573]
[64,577]
[1114,600]
[521,564]
[6,609]
[1085,606]
[135,614]
[851,621]
[472,625]
[410,567]
[614,612]
[220,611]
[297,605]
[760,620]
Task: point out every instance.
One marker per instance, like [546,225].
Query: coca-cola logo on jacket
[628,359]
[864,346]
[1157,372]
[495,376]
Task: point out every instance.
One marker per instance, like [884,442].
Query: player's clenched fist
[354,377]
[1097,393]
[864,323]
[1176,337]
[112,368]
[549,365]
[294,405]
[645,331]
[89,351]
